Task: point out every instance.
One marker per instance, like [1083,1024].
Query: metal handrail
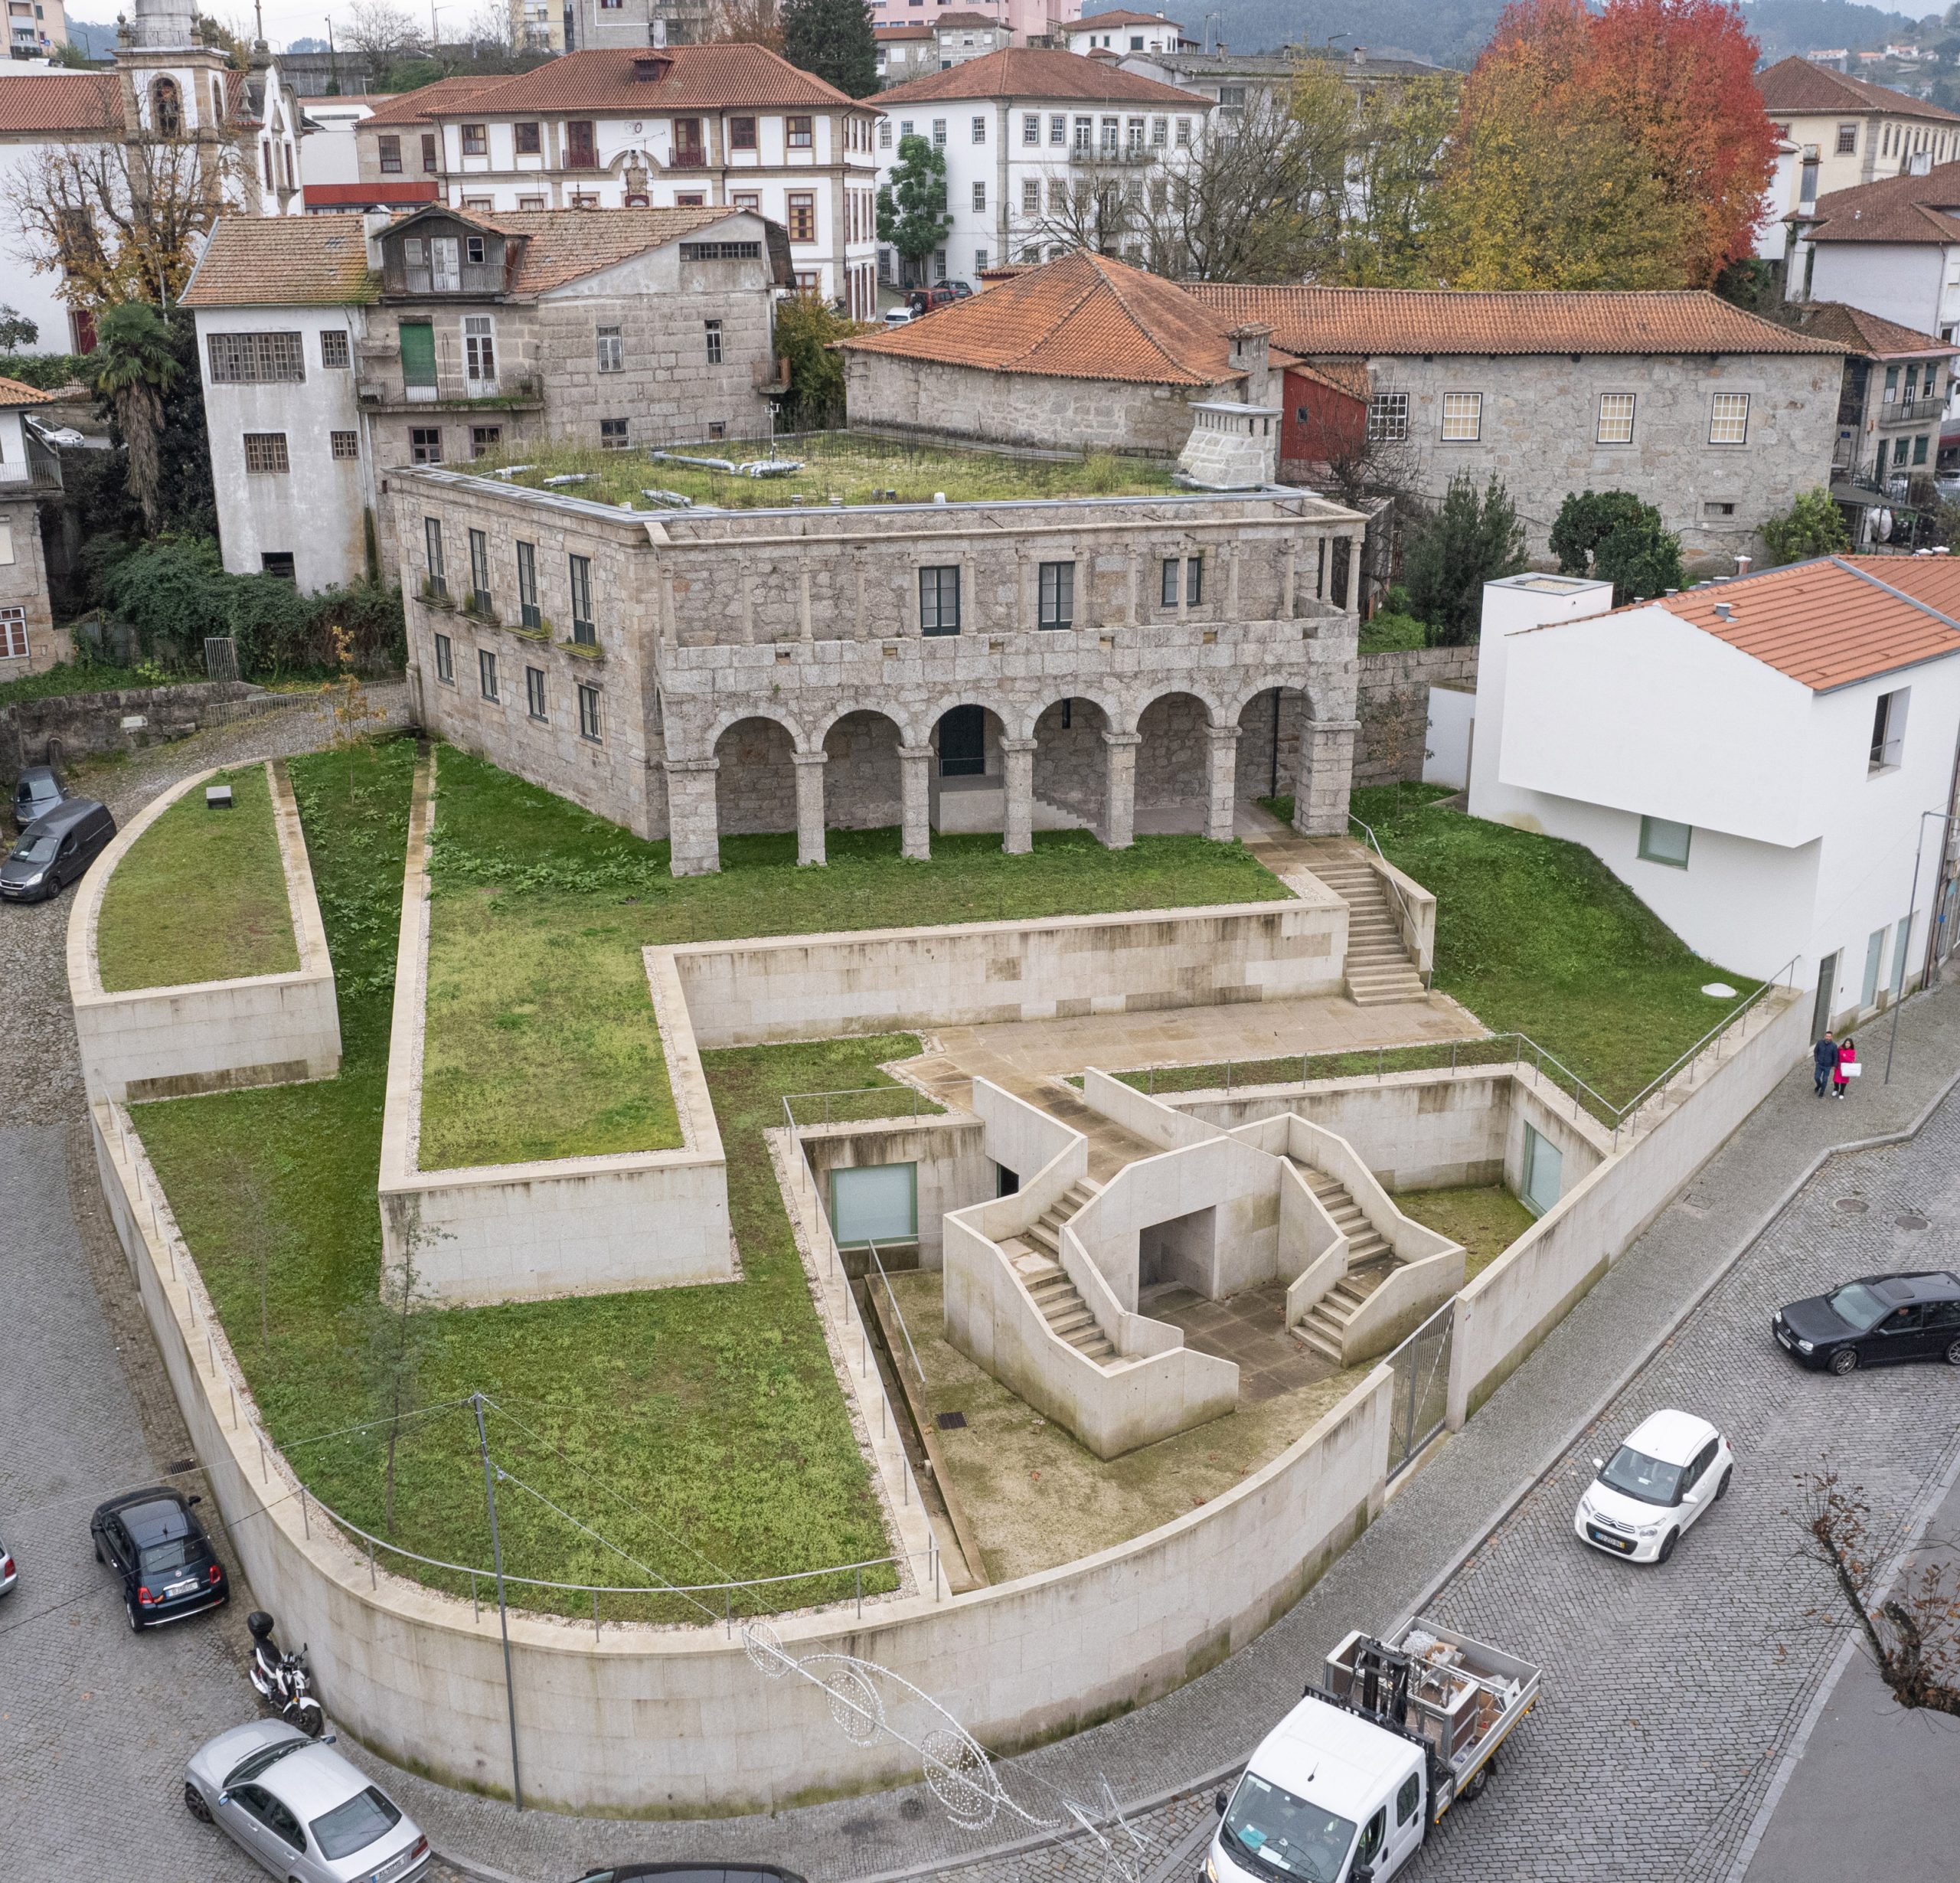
[1409,920]
[891,1294]
[791,1100]
[1785,975]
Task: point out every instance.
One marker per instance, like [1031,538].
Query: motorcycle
[282,1680]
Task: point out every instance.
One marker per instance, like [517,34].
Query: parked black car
[1875,1321]
[36,793]
[695,1872]
[154,1542]
[55,849]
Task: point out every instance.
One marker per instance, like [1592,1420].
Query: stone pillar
[1223,755]
[693,820]
[915,796]
[1119,789]
[1327,767]
[1018,756]
[809,805]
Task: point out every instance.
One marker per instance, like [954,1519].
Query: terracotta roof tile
[561,245]
[13,393]
[320,196]
[418,106]
[1084,317]
[1795,85]
[1864,332]
[61,101]
[696,78]
[1120,16]
[1899,209]
[284,261]
[884,33]
[1837,620]
[1363,322]
[1030,72]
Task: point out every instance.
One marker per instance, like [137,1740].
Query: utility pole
[503,1613]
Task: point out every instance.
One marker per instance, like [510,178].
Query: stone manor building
[1105,663]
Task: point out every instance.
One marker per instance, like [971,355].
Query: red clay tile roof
[1120,17]
[284,261]
[1899,209]
[1084,317]
[419,105]
[1795,85]
[883,34]
[1364,321]
[1348,376]
[356,195]
[61,101]
[1837,620]
[1867,333]
[692,78]
[561,245]
[967,19]
[1029,72]
[13,393]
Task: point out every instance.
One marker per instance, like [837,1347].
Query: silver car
[300,1809]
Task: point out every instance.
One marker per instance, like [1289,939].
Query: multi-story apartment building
[973,665]
[336,348]
[1028,22]
[680,127]
[906,51]
[1032,139]
[35,27]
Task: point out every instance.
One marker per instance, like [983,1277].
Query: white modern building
[1021,131]
[1120,31]
[1759,760]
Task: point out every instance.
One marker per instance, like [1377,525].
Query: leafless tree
[750,22]
[384,32]
[1912,1631]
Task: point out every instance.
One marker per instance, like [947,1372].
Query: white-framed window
[1160,132]
[1057,595]
[979,130]
[1183,133]
[1031,196]
[13,634]
[479,346]
[884,134]
[980,260]
[1662,840]
[979,199]
[1388,418]
[1463,417]
[1888,730]
[611,351]
[711,331]
[1030,127]
[1085,135]
[1615,426]
[1728,419]
[938,133]
[1058,130]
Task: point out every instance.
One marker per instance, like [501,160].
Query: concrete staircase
[1379,970]
[1371,1262]
[1035,1256]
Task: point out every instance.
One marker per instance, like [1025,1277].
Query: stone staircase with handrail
[1378,969]
[1034,1255]
[1371,1262]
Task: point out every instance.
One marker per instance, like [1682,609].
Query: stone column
[1119,789]
[1018,756]
[1327,767]
[809,805]
[1222,756]
[915,796]
[693,820]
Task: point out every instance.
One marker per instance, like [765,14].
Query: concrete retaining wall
[206,1036]
[954,1170]
[813,986]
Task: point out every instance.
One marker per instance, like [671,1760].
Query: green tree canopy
[805,332]
[1472,538]
[912,207]
[1612,534]
[832,40]
[1812,526]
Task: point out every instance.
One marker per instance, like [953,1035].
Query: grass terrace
[838,466]
[201,895]
[1486,1218]
[699,1430]
[540,1040]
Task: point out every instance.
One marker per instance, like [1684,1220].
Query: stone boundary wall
[206,1036]
[561,1226]
[1393,707]
[85,723]
[679,1719]
[749,993]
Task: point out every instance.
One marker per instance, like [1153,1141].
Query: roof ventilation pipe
[1724,611]
[1742,564]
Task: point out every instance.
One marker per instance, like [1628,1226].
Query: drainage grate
[1911,1222]
[1851,1206]
[181,1466]
[950,1421]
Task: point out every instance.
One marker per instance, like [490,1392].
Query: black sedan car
[1875,1321]
[153,1541]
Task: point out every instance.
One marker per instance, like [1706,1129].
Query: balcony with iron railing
[1911,411]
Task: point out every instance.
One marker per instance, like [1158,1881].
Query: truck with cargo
[1347,1787]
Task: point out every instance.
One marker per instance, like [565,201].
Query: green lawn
[1536,935]
[1486,1218]
[201,896]
[540,1040]
[698,1429]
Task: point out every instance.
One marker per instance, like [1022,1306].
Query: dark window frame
[939,598]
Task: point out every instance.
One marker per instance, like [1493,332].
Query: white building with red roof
[1753,758]
[720,127]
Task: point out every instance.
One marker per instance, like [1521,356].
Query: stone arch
[166,107]
[863,787]
[1072,763]
[1172,762]
[755,787]
[737,714]
[1271,721]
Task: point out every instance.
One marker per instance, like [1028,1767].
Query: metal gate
[1421,1401]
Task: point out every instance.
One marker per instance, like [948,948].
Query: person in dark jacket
[1823,1058]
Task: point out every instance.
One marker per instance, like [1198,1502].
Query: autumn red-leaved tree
[1627,148]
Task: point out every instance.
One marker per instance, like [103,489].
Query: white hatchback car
[301,1809]
[1672,1467]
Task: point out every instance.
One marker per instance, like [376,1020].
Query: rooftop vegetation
[201,895]
[837,465]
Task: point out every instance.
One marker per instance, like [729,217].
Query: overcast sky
[294,19]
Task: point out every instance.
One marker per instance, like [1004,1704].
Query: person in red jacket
[1848,1055]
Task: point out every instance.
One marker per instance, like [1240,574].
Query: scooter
[281,1680]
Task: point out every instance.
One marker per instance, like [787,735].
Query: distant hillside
[1453,31]
[98,42]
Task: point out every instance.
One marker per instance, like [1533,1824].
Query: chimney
[1250,353]
[1742,564]
[1359,56]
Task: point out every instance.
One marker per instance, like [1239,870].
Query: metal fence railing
[858,1104]
[1421,1404]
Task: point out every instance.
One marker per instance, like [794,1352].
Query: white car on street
[301,1809]
[1672,1467]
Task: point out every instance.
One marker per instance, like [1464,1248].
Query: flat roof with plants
[201,895]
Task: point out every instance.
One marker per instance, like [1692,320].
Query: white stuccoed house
[1752,757]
